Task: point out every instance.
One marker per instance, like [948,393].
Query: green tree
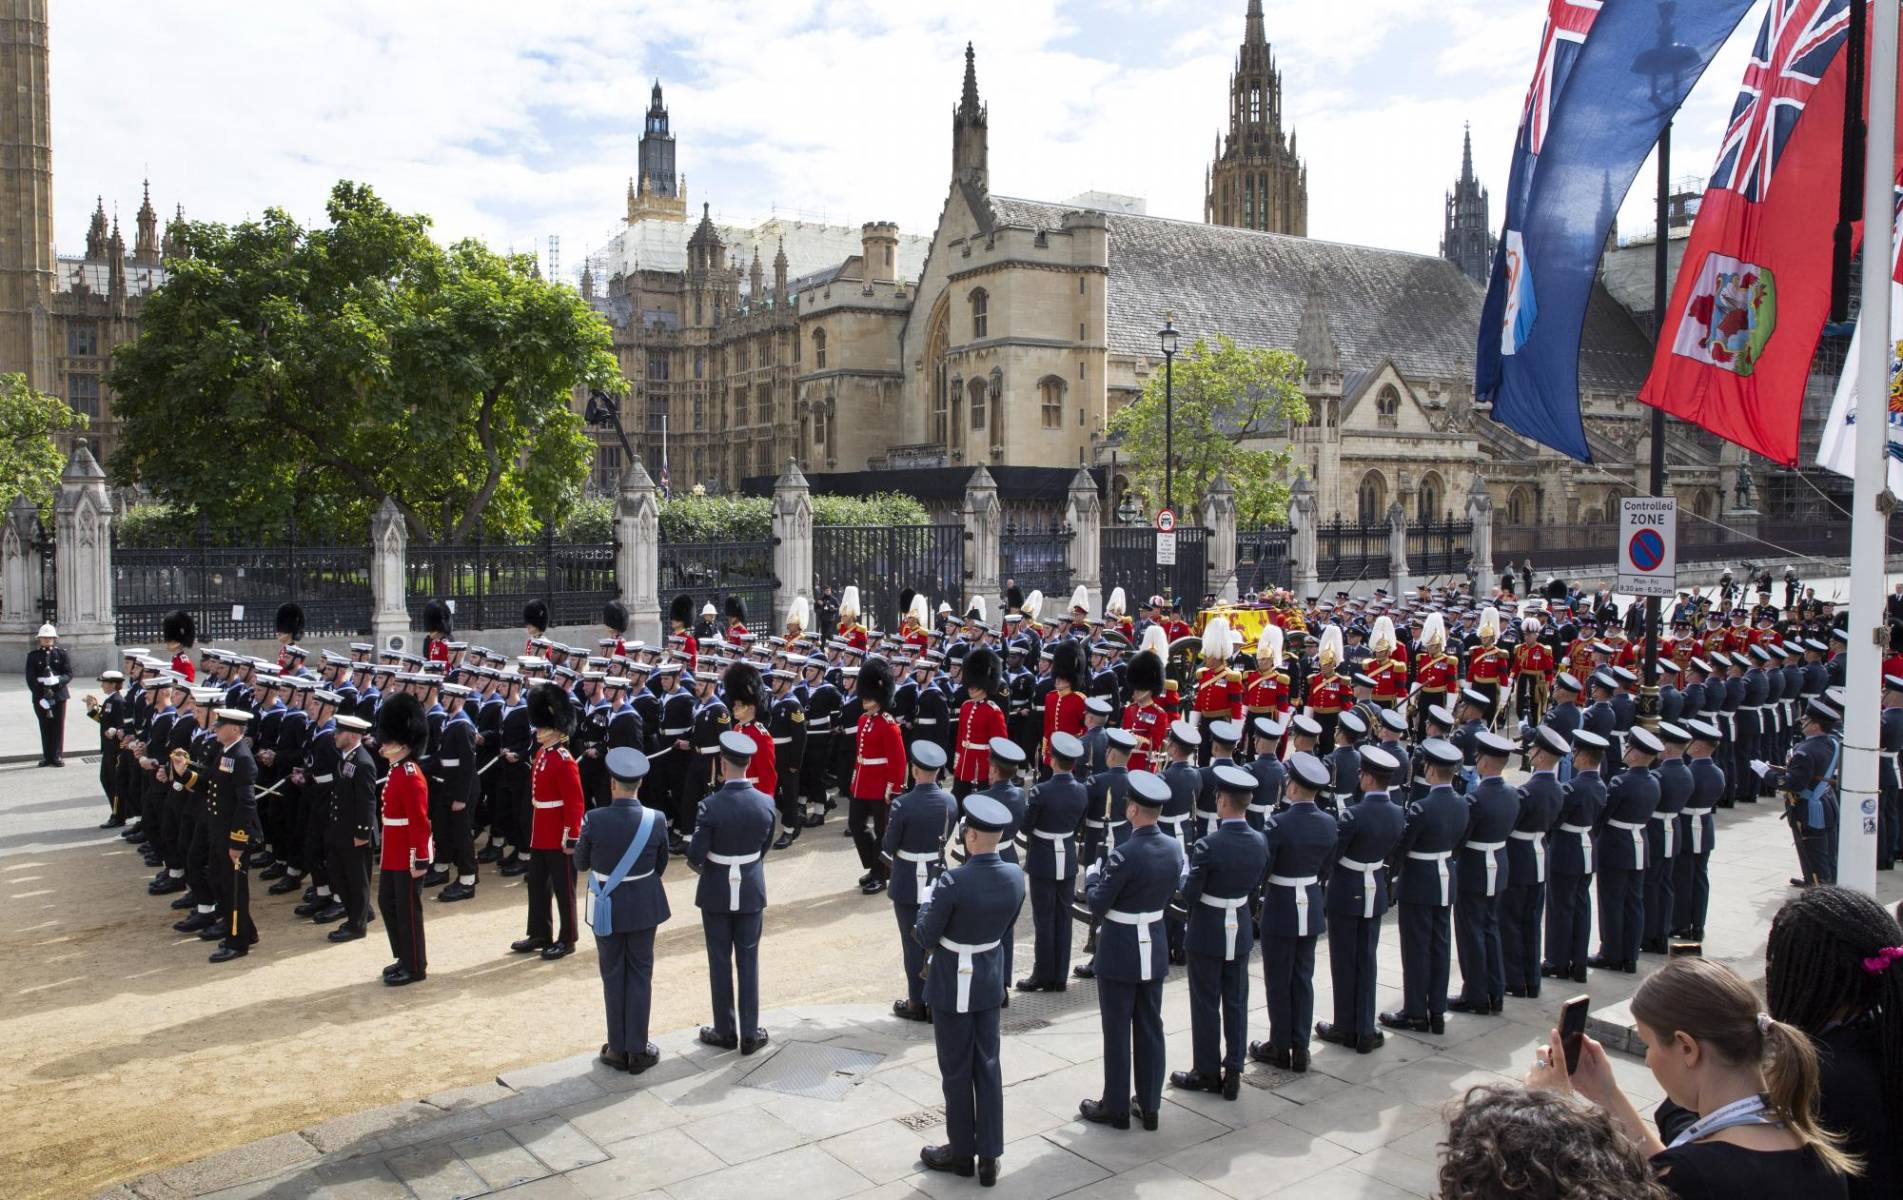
[328,369]
[30,461]
[1224,396]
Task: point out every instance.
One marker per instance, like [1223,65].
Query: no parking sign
[1648,546]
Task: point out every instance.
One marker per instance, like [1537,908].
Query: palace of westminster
[1007,336]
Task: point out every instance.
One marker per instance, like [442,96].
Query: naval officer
[622,853]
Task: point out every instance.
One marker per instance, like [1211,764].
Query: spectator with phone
[1752,1079]
[1512,1143]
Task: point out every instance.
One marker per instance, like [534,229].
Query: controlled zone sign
[1648,546]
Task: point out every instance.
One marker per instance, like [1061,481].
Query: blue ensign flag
[1611,75]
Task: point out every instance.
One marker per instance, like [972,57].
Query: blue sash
[601,918]
[1814,795]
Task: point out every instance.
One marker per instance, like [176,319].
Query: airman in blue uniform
[1630,800]
[921,820]
[622,853]
[1223,737]
[1106,819]
[1301,842]
[1662,844]
[1570,860]
[1270,775]
[1179,814]
[1344,764]
[1523,908]
[1390,734]
[966,923]
[1130,893]
[1436,825]
[733,827]
[1225,868]
[1810,798]
[1008,758]
[1357,897]
[1053,814]
[1697,830]
[1483,875]
[1564,717]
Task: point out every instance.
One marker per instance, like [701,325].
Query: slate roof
[1416,309]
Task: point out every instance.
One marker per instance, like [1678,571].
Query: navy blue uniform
[1811,806]
[1357,892]
[1630,800]
[1224,870]
[1483,877]
[625,915]
[1301,843]
[1130,897]
[1570,862]
[1053,813]
[1691,887]
[1179,821]
[1012,797]
[1271,779]
[732,830]
[1662,849]
[1106,815]
[1436,825]
[915,833]
[1522,909]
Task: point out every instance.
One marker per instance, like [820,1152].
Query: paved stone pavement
[841,1100]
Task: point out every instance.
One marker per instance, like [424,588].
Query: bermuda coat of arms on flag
[1730,316]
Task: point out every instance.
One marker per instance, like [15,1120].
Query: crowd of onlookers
[1798,1092]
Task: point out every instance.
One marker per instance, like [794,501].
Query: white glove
[1091,874]
[925,893]
[47,705]
[1760,768]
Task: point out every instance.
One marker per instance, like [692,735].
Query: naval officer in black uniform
[972,909]
[921,819]
[622,853]
[733,827]
[1225,868]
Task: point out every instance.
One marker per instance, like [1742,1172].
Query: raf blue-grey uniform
[1811,805]
[1224,869]
[1012,797]
[1301,843]
[1271,779]
[1630,800]
[1662,848]
[1053,813]
[733,828]
[1366,836]
[1570,863]
[1436,825]
[1523,907]
[1483,875]
[1179,821]
[626,909]
[915,834]
[1106,815]
[1697,830]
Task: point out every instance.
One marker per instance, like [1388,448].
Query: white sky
[511,122]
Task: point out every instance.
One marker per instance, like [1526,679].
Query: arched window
[997,414]
[1372,498]
[1520,507]
[1387,407]
[1433,492]
[1050,393]
[978,406]
[819,349]
[980,316]
[937,339]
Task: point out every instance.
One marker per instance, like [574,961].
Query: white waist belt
[781,741]
[683,731]
[1094,824]
[1585,844]
[1439,859]
[1059,848]
[1493,864]
[1142,921]
[966,952]
[546,803]
[978,746]
[322,778]
[448,762]
[733,863]
[1300,884]
[1538,841]
[1697,816]
[603,879]
[1231,923]
[708,749]
[389,821]
[1668,829]
[924,860]
[872,762]
[1264,809]
[926,721]
[1368,882]
[1637,830]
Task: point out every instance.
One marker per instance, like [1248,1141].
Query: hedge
[750,519]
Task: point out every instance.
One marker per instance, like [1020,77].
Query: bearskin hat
[291,620]
[436,618]
[1067,663]
[179,627]
[1146,673]
[535,615]
[680,610]
[905,600]
[736,609]
[1014,599]
[550,708]
[614,615]
[741,685]
[875,682]
[400,722]
[982,669]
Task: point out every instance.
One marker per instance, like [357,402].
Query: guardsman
[1523,905]
[1481,869]
[966,923]
[1130,892]
[1329,693]
[1487,663]
[110,714]
[1387,666]
[1218,695]
[290,631]
[180,632]
[556,809]
[1064,705]
[1053,815]
[1662,845]
[732,833]
[1570,860]
[402,733]
[878,771]
[1301,840]
[1630,800]
[1226,867]
[980,721]
[1532,671]
[232,829]
[1435,672]
[48,671]
[436,631]
[1435,827]
[747,701]
[1810,799]
[1144,715]
[622,850]
[1357,896]
[1691,885]
[614,618]
[680,638]
[349,826]
[921,821]
[1271,777]
[1223,736]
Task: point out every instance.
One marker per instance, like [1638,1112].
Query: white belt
[1104,824]
[781,741]
[451,762]
[924,859]
[1301,884]
[1637,830]
[1142,921]
[1493,864]
[1368,882]
[546,803]
[708,749]
[683,731]
[1212,820]
[389,821]
[1697,816]
[819,727]
[1057,839]
[1439,859]
[965,952]
[603,879]
[926,721]
[977,745]
[322,778]
[1231,924]
[1667,843]
[872,762]
[1585,844]
[1264,809]
[1539,850]
[733,863]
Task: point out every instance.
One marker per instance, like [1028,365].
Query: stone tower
[26,192]
[1466,238]
[1257,180]
[658,190]
[970,150]
[145,251]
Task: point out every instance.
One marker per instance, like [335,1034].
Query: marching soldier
[980,721]
[623,849]
[556,809]
[1301,840]
[1531,671]
[1571,859]
[733,831]
[232,825]
[1357,896]
[1691,886]
[1630,800]
[401,733]
[921,820]
[1482,875]
[878,771]
[1487,663]
[1523,903]
[1064,706]
[1662,846]
[824,731]
[1435,827]
[1223,736]
[349,825]
[1053,813]
[48,671]
[1329,693]
[1225,868]
[1143,715]
[1435,672]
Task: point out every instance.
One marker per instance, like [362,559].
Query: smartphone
[1572,1029]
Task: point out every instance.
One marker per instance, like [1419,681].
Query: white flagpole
[1857,815]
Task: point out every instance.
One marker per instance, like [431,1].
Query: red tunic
[1218,694]
[1488,665]
[556,804]
[1266,694]
[182,667]
[1628,655]
[406,831]
[764,768]
[1435,673]
[1151,723]
[878,771]
[1331,694]
[1390,679]
[854,633]
[436,649]
[1063,713]
[917,639]
[736,630]
[1535,658]
[978,722]
[690,650]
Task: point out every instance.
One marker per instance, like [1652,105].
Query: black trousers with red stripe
[400,900]
[551,874]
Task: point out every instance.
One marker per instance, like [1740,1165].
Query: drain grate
[924,1118]
[811,1070]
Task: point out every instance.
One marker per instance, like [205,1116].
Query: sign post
[1648,546]
[1165,538]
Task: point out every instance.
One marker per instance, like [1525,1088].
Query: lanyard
[1749,1111]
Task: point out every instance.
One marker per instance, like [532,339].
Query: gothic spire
[145,250]
[968,109]
[96,234]
[1314,340]
[1252,31]
[779,276]
[970,152]
[1467,152]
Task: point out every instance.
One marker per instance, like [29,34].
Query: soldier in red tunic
[1388,664]
[1329,693]
[1436,672]
[913,629]
[1145,715]
[746,698]
[179,632]
[1218,694]
[556,807]
[878,773]
[407,848]
[798,617]
[1487,664]
[1064,704]
[290,625]
[1265,694]
[849,627]
[614,618]
[979,720]
[1116,615]
[436,629]
[1533,672]
[681,641]
[736,619]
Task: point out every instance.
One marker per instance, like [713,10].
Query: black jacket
[42,664]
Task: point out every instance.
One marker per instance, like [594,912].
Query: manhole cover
[814,1071]
[924,1119]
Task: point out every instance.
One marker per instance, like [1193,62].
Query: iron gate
[1262,559]
[709,572]
[490,582]
[884,560]
[232,582]
[1129,562]
[49,574]
[1348,553]
[1038,561]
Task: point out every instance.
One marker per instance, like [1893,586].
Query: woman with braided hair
[1834,969]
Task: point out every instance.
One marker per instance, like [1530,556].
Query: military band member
[1300,841]
[1225,868]
[921,821]
[1630,800]
[1531,671]
[556,809]
[965,924]
[732,833]
[1436,672]
[401,732]
[1662,846]
[349,826]
[980,720]
[1144,715]
[1523,904]
[623,851]
[1329,693]
[1571,859]
[1435,827]
[1053,814]
[1266,694]
[1481,871]
[1064,706]
[1487,664]
[231,814]
[1691,885]
[1357,896]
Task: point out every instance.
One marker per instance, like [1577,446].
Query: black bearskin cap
[1146,673]
[1013,598]
[736,609]
[400,722]
[741,685]
[550,708]
[875,682]
[436,618]
[982,669]
[535,615]
[1067,663]
[681,610]
[179,627]
[614,615]
[291,619]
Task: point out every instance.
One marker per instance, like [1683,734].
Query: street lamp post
[1167,337]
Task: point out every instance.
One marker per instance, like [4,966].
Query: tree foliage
[30,460]
[703,518]
[1225,396]
[327,369]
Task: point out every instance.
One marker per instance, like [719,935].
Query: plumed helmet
[982,669]
[179,627]
[1034,605]
[1080,599]
[1014,599]
[1116,606]
[1434,632]
[1268,648]
[799,615]
[1216,638]
[875,681]
[906,596]
[741,685]
[975,611]
[436,618]
[1381,641]
[680,610]
[1067,663]
[614,615]
[919,609]
[1146,672]
[1530,627]
[535,614]
[1489,627]
[1329,651]
[291,620]
[400,722]
[550,708]
[1155,641]
[736,609]
[849,603]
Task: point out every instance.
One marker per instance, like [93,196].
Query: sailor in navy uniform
[1570,861]
[966,922]
[1129,892]
[622,853]
[1662,843]
[349,823]
[1226,867]
[921,820]
[1621,853]
[1691,886]
[1366,834]
[1523,907]
[1223,736]
[1270,775]
[1179,814]
[1301,840]
[733,828]
[1053,814]
[1482,872]
[1436,825]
